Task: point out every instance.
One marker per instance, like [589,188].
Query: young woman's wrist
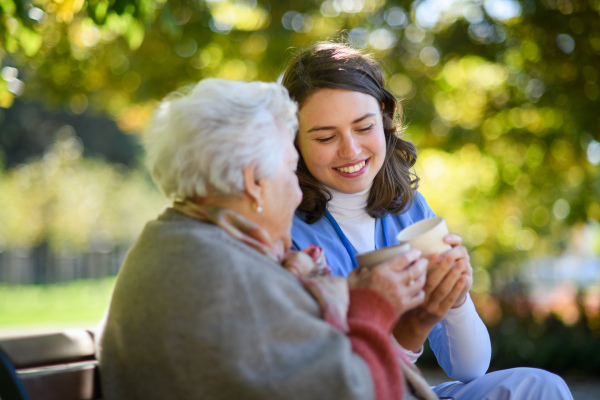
[460,301]
[410,335]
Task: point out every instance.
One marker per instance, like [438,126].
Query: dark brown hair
[339,66]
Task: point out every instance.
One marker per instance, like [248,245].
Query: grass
[77,303]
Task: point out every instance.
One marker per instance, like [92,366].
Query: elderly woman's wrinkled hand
[400,280]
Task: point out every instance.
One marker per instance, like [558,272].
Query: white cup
[372,258]
[426,235]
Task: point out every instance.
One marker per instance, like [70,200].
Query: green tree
[501,97]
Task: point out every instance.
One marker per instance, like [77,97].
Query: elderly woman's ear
[252,187]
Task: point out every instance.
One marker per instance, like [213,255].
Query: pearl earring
[257,208]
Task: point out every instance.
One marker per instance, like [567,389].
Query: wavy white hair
[207,136]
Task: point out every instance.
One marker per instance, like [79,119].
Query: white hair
[206,137]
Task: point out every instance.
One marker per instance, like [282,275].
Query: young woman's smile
[341,138]
[353,169]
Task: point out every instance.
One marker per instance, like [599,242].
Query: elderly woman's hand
[399,279]
[449,278]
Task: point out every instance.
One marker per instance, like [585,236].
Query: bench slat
[64,383]
[58,366]
[50,349]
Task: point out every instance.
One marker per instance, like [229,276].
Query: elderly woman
[208,303]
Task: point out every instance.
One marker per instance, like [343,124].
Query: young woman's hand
[449,278]
[400,280]
[455,240]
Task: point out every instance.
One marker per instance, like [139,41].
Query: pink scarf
[310,268]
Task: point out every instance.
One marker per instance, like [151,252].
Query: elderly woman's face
[282,194]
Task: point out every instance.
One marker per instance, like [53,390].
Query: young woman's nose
[349,147]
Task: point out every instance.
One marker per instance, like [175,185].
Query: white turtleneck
[348,209]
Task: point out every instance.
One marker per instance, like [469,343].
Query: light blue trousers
[509,384]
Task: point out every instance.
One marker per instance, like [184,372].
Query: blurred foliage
[73,203]
[28,129]
[501,97]
[565,338]
[554,342]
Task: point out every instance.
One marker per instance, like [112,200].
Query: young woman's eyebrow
[328,128]
[320,128]
[367,115]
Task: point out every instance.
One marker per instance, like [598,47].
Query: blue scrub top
[324,234]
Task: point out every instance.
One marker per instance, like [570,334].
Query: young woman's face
[341,138]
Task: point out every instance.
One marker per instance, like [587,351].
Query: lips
[348,169]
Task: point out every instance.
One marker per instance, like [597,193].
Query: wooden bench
[56,366]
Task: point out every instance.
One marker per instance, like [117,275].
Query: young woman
[359,192]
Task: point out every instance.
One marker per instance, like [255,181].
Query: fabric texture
[509,384]
[308,265]
[197,314]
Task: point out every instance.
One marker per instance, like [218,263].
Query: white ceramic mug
[426,235]
[372,258]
